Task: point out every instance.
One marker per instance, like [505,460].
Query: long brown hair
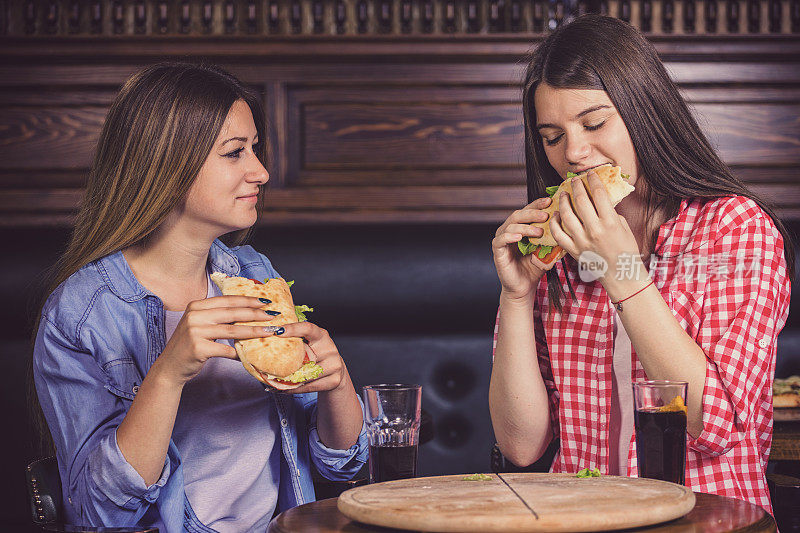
[604,53]
[158,133]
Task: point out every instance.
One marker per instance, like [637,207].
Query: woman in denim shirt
[154,421]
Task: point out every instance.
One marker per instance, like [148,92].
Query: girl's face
[223,197]
[581,129]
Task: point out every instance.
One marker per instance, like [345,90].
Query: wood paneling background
[377,113]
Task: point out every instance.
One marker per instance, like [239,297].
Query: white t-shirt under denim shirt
[224,433]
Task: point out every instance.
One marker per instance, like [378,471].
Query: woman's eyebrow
[592,110]
[579,115]
[243,139]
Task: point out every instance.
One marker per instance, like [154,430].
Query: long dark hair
[156,137]
[599,52]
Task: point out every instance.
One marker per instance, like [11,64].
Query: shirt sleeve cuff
[720,433]
[118,480]
[338,465]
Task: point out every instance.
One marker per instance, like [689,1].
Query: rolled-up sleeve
[333,464]
[101,487]
[117,480]
[744,308]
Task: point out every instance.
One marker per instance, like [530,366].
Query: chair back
[44,489]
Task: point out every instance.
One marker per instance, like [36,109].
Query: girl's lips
[590,168]
[252,199]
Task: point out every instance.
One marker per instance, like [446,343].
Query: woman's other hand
[339,414]
[204,321]
[320,348]
[590,224]
[519,273]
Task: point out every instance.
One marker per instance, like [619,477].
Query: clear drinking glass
[392,414]
[660,423]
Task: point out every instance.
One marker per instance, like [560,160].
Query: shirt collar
[119,276]
[665,231]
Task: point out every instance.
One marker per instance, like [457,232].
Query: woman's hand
[193,341]
[320,347]
[519,274]
[339,415]
[590,224]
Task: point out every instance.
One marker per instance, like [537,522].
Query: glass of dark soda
[660,424]
[392,415]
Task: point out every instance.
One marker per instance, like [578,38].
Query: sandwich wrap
[280,362]
[546,248]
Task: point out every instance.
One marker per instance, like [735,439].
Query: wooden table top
[785,441]
[711,514]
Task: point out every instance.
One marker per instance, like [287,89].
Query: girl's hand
[591,224]
[192,343]
[519,274]
[320,347]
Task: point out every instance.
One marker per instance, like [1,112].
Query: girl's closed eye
[593,127]
[588,127]
[553,141]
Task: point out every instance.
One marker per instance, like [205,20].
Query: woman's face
[581,129]
[223,197]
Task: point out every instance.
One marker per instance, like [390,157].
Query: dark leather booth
[404,304]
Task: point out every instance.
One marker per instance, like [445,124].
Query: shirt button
[135,389]
[284,422]
[763,343]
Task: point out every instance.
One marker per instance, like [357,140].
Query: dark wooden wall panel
[376,119]
[753,133]
[423,135]
[43,137]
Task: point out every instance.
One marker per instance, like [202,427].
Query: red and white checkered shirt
[721,269]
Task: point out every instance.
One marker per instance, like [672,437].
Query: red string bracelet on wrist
[618,304]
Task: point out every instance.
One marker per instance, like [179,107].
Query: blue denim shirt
[100,333]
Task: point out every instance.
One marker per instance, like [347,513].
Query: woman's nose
[576,148]
[257,173]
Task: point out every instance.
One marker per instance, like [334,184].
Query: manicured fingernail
[280,331]
[272,313]
[265,301]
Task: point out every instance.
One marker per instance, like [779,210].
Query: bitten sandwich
[281,363]
[545,247]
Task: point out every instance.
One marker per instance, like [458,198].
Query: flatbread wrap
[281,362]
[545,247]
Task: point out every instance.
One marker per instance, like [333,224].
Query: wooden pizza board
[562,502]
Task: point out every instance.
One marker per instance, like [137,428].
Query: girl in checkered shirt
[702,264]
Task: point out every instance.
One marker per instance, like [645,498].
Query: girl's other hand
[519,273]
[591,224]
[204,321]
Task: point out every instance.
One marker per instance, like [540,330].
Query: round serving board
[562,502]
